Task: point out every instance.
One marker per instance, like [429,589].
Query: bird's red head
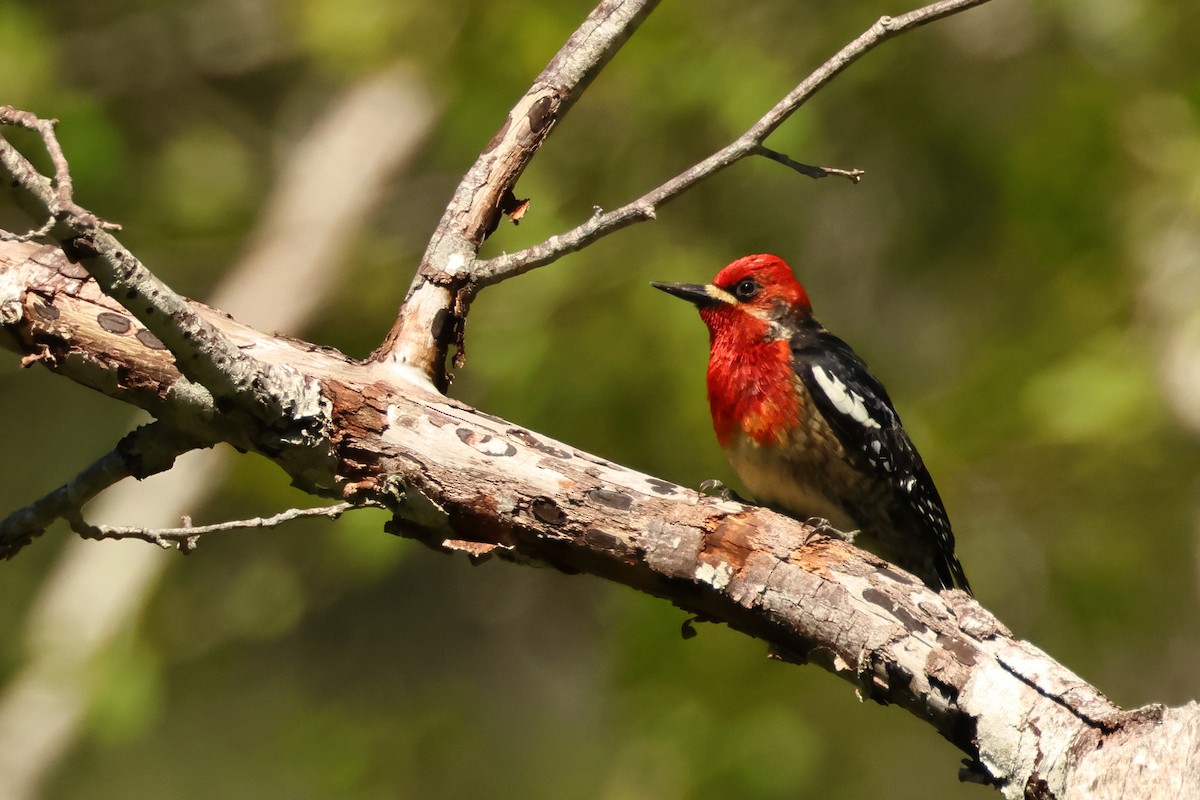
[750,308]
[746,297]
[761,286]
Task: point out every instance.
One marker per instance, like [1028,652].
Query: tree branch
[430,320]
[57,197]
[491,271]
[853,175]
[234,377]
[52,314]
[185,538]
[145,451]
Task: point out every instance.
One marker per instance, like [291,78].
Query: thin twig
[29,236]
[145,451]
[854,175]
[749,143]
[185,538]
[64,189]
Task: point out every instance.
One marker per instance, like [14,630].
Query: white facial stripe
[717,293]
[844,400]
[720,295]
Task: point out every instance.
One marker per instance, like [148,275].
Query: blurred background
[1020,265]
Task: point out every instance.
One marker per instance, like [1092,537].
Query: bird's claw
[715,488]
[823,527]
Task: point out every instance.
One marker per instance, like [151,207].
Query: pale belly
[797,486]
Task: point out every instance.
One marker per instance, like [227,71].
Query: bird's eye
[746,288]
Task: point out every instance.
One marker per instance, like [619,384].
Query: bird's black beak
[694,293]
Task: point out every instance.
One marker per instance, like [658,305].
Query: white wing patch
[844,400]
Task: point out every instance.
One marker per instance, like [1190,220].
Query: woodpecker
[806,426]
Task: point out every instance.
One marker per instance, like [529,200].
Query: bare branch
[854,175]
[63,202]
[749,143]
[204,355]
[31,235]
[145,451]
[185,538]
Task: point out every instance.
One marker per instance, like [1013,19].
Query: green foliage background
[1019,266]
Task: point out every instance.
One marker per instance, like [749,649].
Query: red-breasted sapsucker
[807,427]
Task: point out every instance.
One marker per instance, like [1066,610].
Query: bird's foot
[715,488]
[823,527]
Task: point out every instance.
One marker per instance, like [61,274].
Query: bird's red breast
[751,386]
